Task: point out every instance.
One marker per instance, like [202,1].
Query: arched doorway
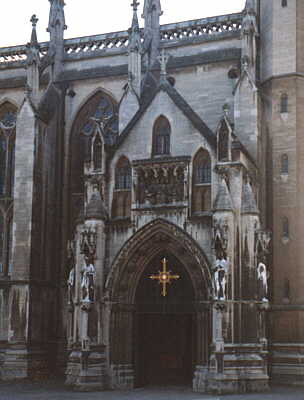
[135,303]
[165,326]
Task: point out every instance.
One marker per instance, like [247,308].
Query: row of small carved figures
[161,193]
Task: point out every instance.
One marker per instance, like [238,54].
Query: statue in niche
[88,280]
[262,282]
[71,286]
[220,278]
[71,268]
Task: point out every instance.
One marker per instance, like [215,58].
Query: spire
[34,41]
[95,208]
[250,5]
[134,31]
[249,205]
[33,63]
[151,14]
[56,29]
[223,200]
[150,6]
[57,17]
[163,60]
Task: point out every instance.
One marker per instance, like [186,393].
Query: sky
[91,17]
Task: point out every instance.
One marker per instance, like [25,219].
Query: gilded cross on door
[164,277]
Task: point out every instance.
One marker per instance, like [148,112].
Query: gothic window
[7,148]
[201,191]
[285,228]
[97,153]
[202,168]
[121,206]
[161,137]
[223,142]
[284,103]
[284,164]
[123,174]
[7,166]
[98,116]
[284,3]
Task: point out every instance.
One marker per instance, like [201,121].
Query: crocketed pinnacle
[223,200]
[134,32]
[249,205]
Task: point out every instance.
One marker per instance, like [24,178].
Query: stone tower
[282,66]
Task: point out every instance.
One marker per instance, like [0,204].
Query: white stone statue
[220,278]
[87,281]
[71,285]
[262,282]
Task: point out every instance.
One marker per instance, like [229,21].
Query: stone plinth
[243,369]
[86,370]
[20,362]
[122,377]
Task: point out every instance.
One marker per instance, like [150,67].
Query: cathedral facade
[151,202]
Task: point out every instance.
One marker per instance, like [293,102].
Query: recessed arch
[141,247]
[128,269]
[99,105]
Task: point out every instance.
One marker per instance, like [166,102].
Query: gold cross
[164,277]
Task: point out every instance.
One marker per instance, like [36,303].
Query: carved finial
[34,41]
[34,20]
[151,5]
[135,5]
[57,16]
[163,60]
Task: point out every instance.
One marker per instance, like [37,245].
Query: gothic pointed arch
[95,126]
[126,283]
[161,137]
[129,264]
[201,183]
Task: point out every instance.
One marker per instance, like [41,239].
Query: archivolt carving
[134,256]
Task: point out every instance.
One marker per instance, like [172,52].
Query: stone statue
[220,278]
[71,286]
[262,282]
[87,281]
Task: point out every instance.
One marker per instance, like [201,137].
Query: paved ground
[57,391]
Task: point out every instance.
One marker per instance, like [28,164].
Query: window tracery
[201,190]
[7,148]
[121,206]
[8,114]
[161,137]
[97,153]
[123,175]
[95,128]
